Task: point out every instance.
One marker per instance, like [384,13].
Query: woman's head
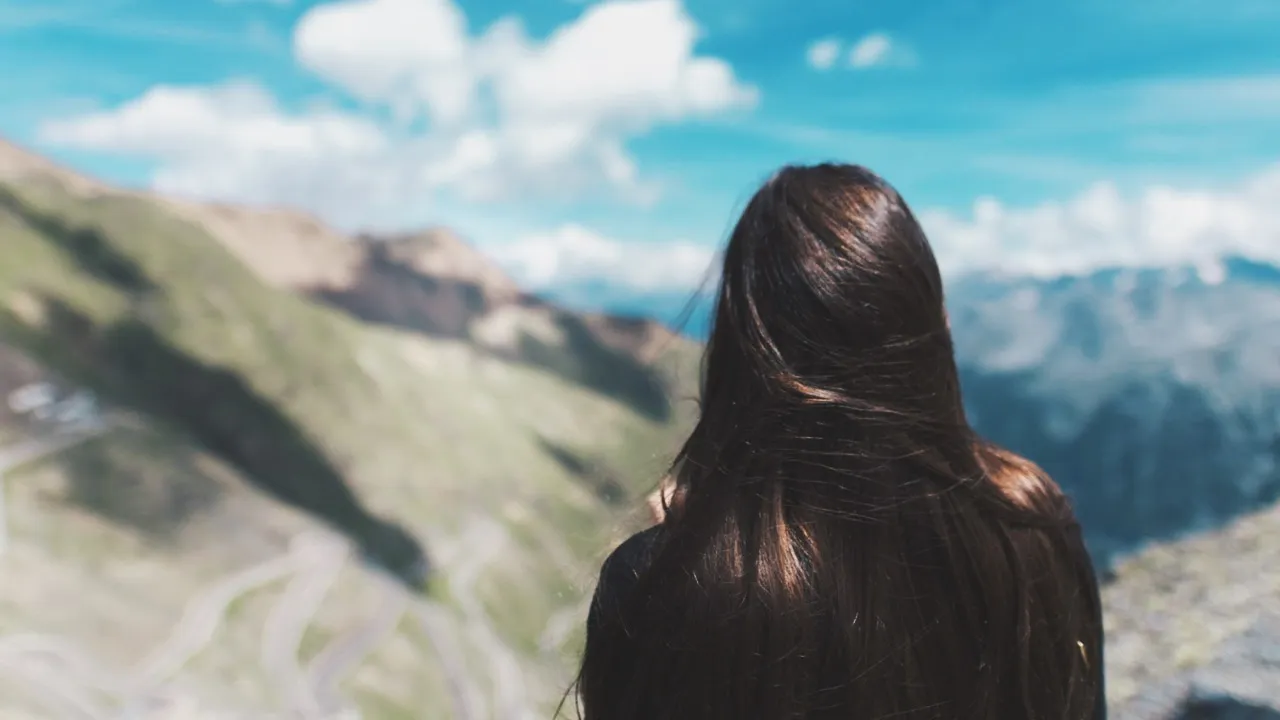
[830,296]
[840,543]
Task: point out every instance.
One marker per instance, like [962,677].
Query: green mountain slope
[260,407]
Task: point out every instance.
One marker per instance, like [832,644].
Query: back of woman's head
[841,544]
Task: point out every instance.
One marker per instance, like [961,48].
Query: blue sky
[528,126]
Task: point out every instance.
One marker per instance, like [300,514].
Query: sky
[600,150]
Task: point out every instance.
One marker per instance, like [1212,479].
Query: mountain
[432,283]
[268,378]
[1150,395]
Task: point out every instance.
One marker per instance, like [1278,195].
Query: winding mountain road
[433,620]
[56,693]
[345,653]
[72,660]
[77,686]
[484,542]
[313,557]
[289,618]
[199,623]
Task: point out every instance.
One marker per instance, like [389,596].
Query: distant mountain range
[1152,395]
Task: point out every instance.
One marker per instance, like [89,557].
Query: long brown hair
[841,543]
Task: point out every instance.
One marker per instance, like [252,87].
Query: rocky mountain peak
[440,253]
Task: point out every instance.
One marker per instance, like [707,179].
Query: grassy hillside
[412,446]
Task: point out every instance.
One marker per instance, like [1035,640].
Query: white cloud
[232,142]
[870,50]
[504,114]
[1100,228]
[879,49]
[572,254]
[410,54]
[628,62]
[876,49]
[822,54]
[1158,227]
[238,117]
[559,107]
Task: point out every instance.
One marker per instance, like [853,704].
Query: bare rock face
[429,282]
[285,248]
[432,282]
[435,284]
[641,337]
[441,254]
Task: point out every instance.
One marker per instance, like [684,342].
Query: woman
[837,541]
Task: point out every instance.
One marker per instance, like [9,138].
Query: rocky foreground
[1193,626]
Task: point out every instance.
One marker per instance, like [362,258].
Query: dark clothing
[618,575]
[621,569]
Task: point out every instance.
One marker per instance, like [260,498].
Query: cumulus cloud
[879,49]
[572,254]
[870,50]
[822,54]
[876,49]
[185,123]
[1156,227]
[624,63]
[232,142]
[410,54]
[486,116]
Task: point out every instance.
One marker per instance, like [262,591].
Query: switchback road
[346,652]
[288,620]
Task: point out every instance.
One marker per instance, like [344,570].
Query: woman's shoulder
[618,576]
[630,557]
[623,566]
